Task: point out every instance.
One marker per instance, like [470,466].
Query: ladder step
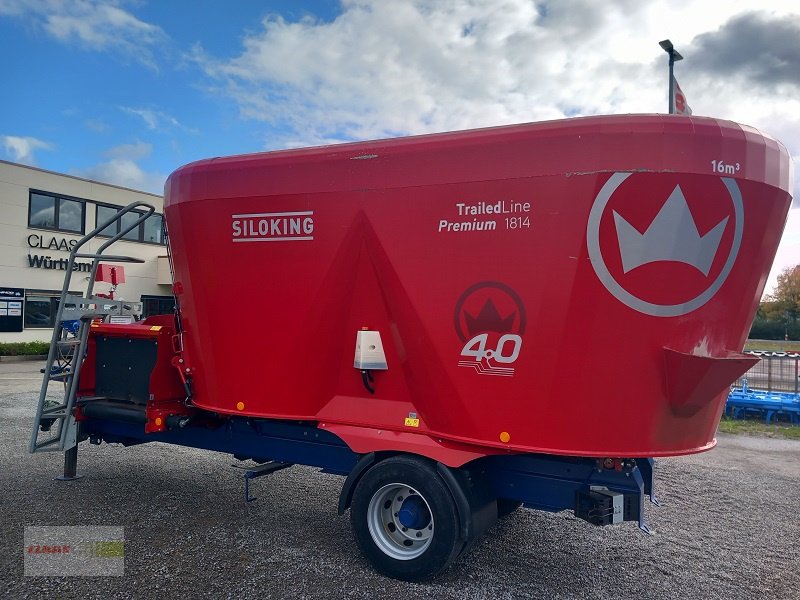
[60,376]
[51,444]
[53,448]
[55,414]
[68,343]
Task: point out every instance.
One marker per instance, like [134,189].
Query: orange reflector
[240,405]
[504,437]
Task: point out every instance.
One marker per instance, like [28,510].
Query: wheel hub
[414,513]
[400,521]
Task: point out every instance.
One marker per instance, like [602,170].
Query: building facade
[42,216]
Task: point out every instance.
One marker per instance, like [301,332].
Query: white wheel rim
[400,521]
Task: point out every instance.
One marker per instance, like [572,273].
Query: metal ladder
[55,428]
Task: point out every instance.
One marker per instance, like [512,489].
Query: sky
[126,91]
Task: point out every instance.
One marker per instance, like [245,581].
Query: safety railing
[776,372]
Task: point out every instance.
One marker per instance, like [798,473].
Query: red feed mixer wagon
[459,323]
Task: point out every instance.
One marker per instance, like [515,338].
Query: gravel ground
[728,527]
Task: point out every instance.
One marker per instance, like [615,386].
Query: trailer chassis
[600,491]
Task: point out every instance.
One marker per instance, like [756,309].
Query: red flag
[679,99]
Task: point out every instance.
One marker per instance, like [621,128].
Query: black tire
[505,507]
[405,520]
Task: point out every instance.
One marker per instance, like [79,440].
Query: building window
[157,305]
[41,307]
[49,211]
[154,230]
[40,310]
[104,213]
[149,232]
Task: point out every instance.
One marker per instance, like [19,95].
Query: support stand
[259,471]
[70,465]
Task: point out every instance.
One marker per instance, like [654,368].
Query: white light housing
[369,351]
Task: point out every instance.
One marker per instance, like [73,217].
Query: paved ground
[729,528]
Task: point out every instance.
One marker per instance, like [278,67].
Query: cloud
[92,24]
[97,125]
[416,66]
[157,119]
[21,149]
[123,169]
[760,48]
[125,172]
[134,151]
[386,68]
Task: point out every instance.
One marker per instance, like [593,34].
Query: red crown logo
[489,307]
[489,319]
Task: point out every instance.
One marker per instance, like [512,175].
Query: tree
[784,302]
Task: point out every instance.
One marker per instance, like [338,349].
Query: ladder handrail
[92,234]
[118,217]
[83,333]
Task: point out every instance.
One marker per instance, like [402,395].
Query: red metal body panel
[576,287]
[164,384]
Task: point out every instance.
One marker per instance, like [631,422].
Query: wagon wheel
[405,519]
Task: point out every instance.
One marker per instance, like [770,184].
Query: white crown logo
[672,236]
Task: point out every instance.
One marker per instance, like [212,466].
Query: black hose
[366,377]
[115,412]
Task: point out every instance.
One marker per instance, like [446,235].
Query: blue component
[646,467]
[71,326]
[551,482]
[280,441]
[540,481]
[743,402]
[413,513]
